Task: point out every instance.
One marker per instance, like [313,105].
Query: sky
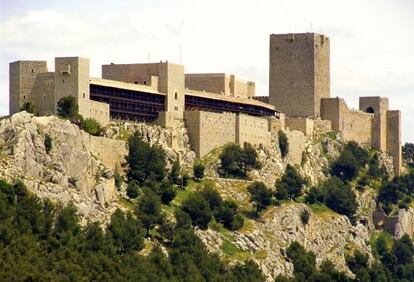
[372,41]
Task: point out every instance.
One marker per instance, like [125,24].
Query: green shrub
[290,185]
[67,107]
[345,167]
[198,208]
[92,126]
[175,172]
[260,195]
[283,143]
[149,210]
[304,217]
[339,197]
[119,180]
[408,153]
[227,214]
[167,192]
[198,170]
[132,190]
[48,143]
[146,163]
[351,160]
[29,107]
[236,161]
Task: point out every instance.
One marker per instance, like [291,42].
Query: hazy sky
[372,41]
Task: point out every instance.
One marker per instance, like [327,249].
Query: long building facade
[216,108]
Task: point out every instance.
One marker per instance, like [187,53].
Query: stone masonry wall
[44,94]
[22,76]
[111,152]
[304,125]
[212,82]
[209,130]
[394,139]
[253,130]
[356,126]
[298,73]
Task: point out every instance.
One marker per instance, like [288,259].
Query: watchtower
[299,74]
[23,76]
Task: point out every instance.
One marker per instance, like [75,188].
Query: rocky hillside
[78,168]
[73,166]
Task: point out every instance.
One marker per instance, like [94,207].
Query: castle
[216,108]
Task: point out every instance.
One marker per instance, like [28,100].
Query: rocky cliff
[80,168]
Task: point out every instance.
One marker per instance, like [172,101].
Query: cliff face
[79,168]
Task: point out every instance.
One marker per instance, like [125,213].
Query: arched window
[369,110]
[176,95]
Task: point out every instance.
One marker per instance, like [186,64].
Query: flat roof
[123,85]
[219,97]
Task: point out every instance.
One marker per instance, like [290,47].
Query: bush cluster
[283,143]
[291,185]
[336,194]
[304,267]
[42,242]
[236,161]
[397,193]
[203,205]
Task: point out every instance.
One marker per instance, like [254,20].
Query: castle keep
[216,108]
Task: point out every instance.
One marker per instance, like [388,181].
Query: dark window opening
[369,110]
[176,95]
[24,97]
[84,95]
[145,83]
[32,70]
[63,81]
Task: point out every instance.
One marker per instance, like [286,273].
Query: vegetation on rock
[29,107]
[260,195]
[67,107]
[236,161]
[198,170]
[283,143]
[290,185]
[44,242]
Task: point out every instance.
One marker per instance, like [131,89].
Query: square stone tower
[23,76]
[299,73]
[72,79]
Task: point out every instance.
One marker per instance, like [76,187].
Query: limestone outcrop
[69,172]
[174,141]
[328,235]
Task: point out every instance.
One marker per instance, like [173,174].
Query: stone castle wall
[111,152]
[220,83]
[394,139]
[253,130]
[209,130]
[354,125]
[357,126]
[216,83]
[304,125]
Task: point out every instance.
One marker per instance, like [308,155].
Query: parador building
[216,108]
